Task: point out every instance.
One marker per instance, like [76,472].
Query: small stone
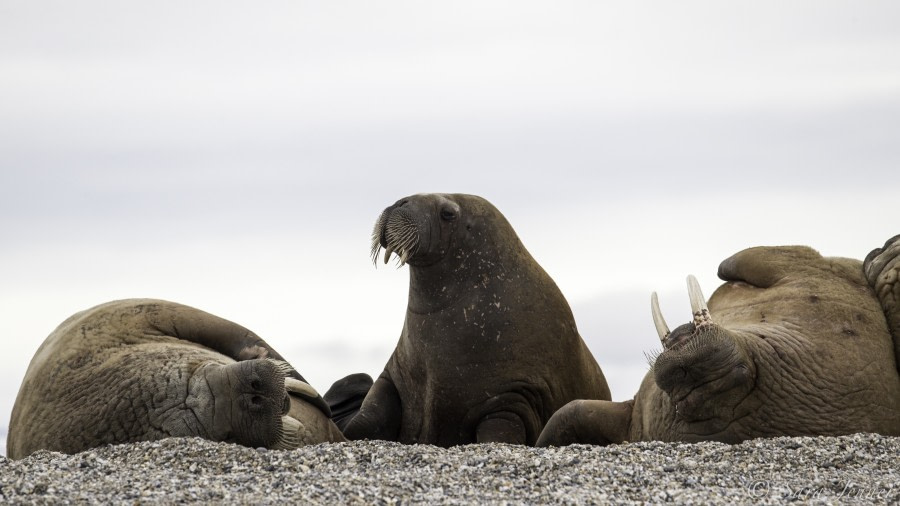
[175,470]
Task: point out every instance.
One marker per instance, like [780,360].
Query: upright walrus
[489,348]
[142,369]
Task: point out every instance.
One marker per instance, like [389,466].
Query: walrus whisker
[406,241]
[410,235]
[377,231]
[404,247]
[404,236]
[401,237]
[698,303]
[379,225]
[282,366]
[651,357]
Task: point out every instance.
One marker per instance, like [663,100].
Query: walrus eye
[448,215]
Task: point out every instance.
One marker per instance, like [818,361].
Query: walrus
[792,344]
[489,348]
[144,369]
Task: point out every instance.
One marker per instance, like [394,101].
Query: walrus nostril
[256,402]
[255,384]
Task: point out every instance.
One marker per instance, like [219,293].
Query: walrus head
[248,402]
[424,229]
[417,229]
[452,242]
[701,366]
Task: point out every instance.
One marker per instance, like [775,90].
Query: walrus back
[97,379]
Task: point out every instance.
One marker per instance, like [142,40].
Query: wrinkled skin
[142,369]
[800,345]
[489,348]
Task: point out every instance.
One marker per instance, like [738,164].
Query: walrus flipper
[882,268]
[379,415]
[588,422]
[345,397]
[221,335]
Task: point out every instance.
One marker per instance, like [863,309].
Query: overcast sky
[234,156]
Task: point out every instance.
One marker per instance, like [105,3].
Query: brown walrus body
[793,344]
[141,369]
[489,349]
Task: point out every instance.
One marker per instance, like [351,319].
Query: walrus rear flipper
[219,334]
[882,268]
[346,396]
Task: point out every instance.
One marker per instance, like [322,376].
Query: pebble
[860,468]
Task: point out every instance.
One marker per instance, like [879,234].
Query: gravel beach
[861,469]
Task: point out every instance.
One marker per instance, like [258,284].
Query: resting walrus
[141,369]
[489,348]
[793,344]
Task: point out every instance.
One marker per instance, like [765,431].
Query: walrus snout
[397,231]
[700,360]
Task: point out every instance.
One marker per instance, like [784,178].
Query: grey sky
[233,156]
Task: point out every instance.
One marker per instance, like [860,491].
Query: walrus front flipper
[588,422]
[345,397]
[218,334]
[882,268]
[764,266]
[379,416]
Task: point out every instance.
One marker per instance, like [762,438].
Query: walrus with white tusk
[489,348]
[144,369]
[793,344]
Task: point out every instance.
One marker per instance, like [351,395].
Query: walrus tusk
[289,436]
[387,253]
[661,328]
[300,387]
[698,303]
